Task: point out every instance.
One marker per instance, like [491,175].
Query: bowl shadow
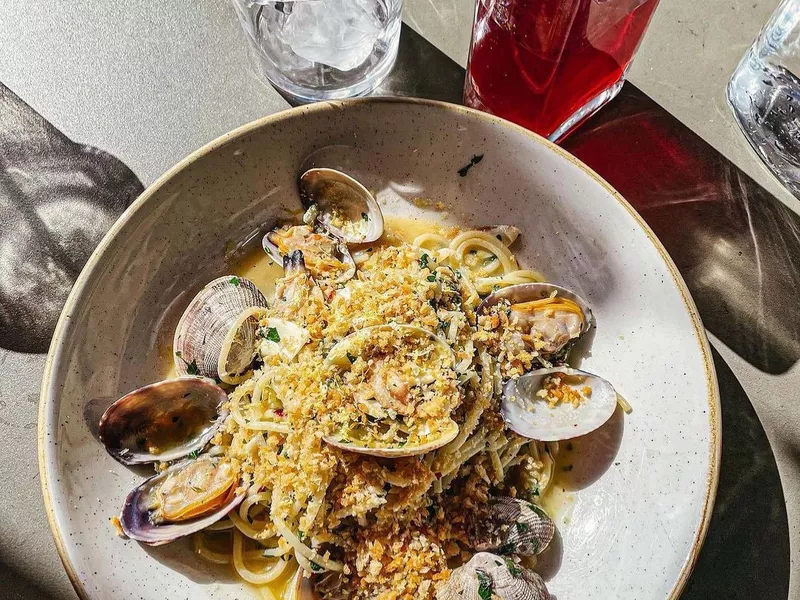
[746,552]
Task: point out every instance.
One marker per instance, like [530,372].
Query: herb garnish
[522,527]
[507,548]
[513,568]
[191,367]
[431,278]
[193,454]
[462,172]
[269,333]
[484,585]
[235,281]
[315,567]
[423,261]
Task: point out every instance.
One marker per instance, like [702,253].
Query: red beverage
[549,64]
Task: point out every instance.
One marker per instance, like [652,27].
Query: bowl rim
[49,393]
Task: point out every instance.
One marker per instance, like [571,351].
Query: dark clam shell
[177,416]
[488,575]
[136,517]
[510,526]
[340,253]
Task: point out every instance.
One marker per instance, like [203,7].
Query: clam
[341,206]
[550,316]
[346,441]
[326,257]
[510,526]
[557,403]
[490,576]
[202,331]
[385,394]
[163,421]
[187,497]
[507,234]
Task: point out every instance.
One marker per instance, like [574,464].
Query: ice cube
[337,33]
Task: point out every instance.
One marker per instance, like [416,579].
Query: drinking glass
[550,64]
[764,94]
[323,49]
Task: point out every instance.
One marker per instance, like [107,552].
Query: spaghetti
[367,526]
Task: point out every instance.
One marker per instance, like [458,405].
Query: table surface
[150,82]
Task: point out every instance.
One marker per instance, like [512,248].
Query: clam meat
[184,499]
[327,258]
[549,317]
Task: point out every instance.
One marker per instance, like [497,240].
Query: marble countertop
[150,82]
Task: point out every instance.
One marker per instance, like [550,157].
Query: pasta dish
[381,424]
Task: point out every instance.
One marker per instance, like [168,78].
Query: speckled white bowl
[634,521]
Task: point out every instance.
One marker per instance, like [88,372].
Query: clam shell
[486,574]
[526,292]
[510,526]
[201,331]
[240,346]
[154,410]
[342,254]
[332,191]
[137,524]
[448,434]
[531,417]
[352,346]
[507,234]
[352,343]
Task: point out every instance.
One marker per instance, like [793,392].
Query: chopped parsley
[191,367]
[193,454]
[235,281]
[462,172]
[423,261]
[269,333]
[431,278]
[507,548]
[300,535]
[315,567]
[484,585]
[522,527]
[513,568]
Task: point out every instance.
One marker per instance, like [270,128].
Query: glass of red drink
[550,64]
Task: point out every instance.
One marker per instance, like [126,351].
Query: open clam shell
[139,521]
[341,205]
[556,322]
[531,416]
[202,330]
[344,353]
[510,526]
[446,435]
[163,421]
[487,575]
[318,249]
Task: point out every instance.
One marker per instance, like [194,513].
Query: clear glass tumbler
[764,94]
[550,64]
[323,49]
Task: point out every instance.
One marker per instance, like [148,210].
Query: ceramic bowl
[635,507]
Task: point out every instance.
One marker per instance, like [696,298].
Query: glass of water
[764,93]
[314,50]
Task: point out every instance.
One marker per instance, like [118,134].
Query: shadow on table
[735,244]
[16,587]
[746,553]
